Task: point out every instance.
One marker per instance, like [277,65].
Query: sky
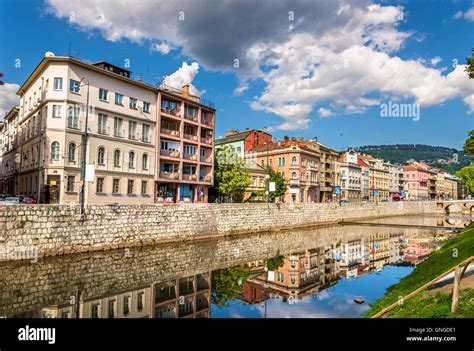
[310,68]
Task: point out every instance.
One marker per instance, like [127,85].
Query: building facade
[351,175]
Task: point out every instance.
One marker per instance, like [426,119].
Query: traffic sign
[337,190]
[376,193]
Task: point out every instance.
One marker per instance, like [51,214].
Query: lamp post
[267,189]
[84,149]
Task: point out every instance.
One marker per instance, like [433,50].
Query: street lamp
[84,148]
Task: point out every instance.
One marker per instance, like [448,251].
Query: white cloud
[468,15]
[8,97]
[436,60]
[323,112]
[163,48]
[184,75]
[341,53]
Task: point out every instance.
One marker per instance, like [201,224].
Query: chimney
[185,90]
[231,132]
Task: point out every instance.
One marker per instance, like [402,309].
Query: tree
[275,262]
[470,65]
[469,144]
[232,178]
[280,186]
[467,175]
[227,284]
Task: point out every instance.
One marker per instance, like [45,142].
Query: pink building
[416,177]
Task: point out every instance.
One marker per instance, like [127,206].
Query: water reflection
[325,272]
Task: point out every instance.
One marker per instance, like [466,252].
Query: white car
[11,200]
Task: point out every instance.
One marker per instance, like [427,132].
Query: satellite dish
[49,54]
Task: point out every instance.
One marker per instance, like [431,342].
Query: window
[101,156]
[190,112]
[280,277]
[202,152]
[70,183]
[189,169]
[117,158]
[168,106]
[73,117]
[293,160]
[189,149]
[118,99]
[145,162]
[58,83]
[116,186]
[281,161]
[72,152]
[293,279]
[112,309]
[140,300]
[103,94]
[95,310]
[74,86]
[56,111]
[55,151]
[126,305]
[145,133]
[132,130]
[133,103]
[131,159]
[144,187]
[146,106]
[293,175]
[170,167]
[100,185]
[102,124]
[130,186]
[118,126]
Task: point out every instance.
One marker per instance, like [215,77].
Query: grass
[437,306]
[456,250]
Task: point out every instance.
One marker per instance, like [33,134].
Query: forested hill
[436,156]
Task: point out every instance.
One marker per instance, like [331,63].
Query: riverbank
[456,250]
[45,230]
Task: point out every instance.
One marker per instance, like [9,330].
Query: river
[334,271]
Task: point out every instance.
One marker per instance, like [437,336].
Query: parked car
[11,200]
[27,200]
[345,200]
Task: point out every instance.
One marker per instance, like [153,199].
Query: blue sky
[408,42]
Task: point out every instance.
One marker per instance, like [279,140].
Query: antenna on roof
[69,52]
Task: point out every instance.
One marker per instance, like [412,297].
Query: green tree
[470,65]
[227,284]
[280,186]
[275,262]
[467,175]
[232,178]
[469,144]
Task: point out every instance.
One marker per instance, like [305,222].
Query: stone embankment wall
[30,231]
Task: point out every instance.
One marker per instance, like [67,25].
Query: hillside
[436,156]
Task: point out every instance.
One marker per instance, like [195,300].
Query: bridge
[447,206]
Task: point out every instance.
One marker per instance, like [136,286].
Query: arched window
[293,175]
[145,161]
[101,156]
[293,160]
[131,159]
[72,152]
[55,150]
[117,158]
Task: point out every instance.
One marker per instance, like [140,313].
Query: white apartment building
[351,175]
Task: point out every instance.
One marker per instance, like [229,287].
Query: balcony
[171,132]
[191,137]
[294,182]
[206,179]
[191,117]
[206,140]
[170,153]
[103,130]
[207,121]
[192,157]
[191,177]
[207,159]
[169,175]
[171,112]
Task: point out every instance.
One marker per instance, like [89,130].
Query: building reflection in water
[288,277]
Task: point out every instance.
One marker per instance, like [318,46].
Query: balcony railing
[169,175]
[169,153]
[191,137]
[206,140]
[207,179]
[170,132]
[207,159]
[206,121]
[294,182]
[192,157]
[191,117]
[170,111]
[103,130]
[190,177]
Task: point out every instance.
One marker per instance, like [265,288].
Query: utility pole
[84,150]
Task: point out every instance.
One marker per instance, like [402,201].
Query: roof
[255,167]
[234,137]
[361,163]
[281,145]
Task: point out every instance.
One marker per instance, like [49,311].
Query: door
[53,189]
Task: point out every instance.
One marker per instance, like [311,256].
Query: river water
[334,271]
